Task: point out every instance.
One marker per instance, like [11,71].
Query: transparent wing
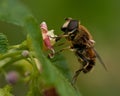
[100,59]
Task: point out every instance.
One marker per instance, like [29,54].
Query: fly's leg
[85,64]
[57,38]
[63,49]
[63,35]
[51,55]
[74,79]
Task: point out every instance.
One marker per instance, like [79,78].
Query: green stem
[12,61]
[33,63]
[21,46]
[35,82]
[10,54]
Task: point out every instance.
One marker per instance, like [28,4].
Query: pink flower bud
[43,26]
[46,38]
[12,77]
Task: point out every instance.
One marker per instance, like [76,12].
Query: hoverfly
[82,44]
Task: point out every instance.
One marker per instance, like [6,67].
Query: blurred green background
[102,19]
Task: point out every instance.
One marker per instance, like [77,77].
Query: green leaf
[5,91]
[3,43]
[50,72]
[12,11]
[60,62]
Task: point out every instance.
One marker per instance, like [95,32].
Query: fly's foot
[76,76]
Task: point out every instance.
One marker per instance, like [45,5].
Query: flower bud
[25,53]
[12,77]
[46,38]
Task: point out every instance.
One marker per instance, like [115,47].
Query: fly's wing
[100,59]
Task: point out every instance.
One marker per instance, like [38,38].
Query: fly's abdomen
[87,58]
[89,66]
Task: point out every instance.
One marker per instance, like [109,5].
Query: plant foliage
[49,76]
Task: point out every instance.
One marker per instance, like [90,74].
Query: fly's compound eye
[72,25]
